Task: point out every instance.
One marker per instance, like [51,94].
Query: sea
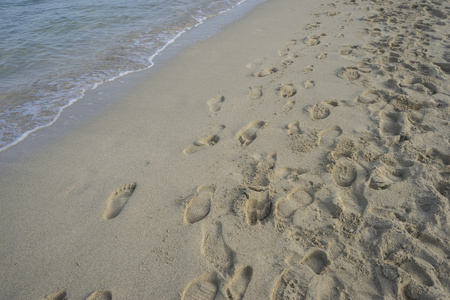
[52,52]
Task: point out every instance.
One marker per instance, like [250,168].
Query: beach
[300,153]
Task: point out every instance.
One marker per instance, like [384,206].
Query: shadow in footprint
[317,260]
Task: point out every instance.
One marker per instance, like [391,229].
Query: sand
[301,153]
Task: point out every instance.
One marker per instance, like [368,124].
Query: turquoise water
[52,52]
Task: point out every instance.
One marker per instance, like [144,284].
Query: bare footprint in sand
[199,206]
[59,295]
[256,92]
[317,260]
[287,47]
[215,104]
[344,173]
[312,40]
[209,139]
[328,137]
[247,135]
[322,56]
[390,123]
[288,106]
[294,128]
[322,110]
[204,287]
[287,206]
[313,25]
[350,73]
[309,84]
[260,179]
[100,295]
[117,200]
[238,285]
[216,251]
[287,90]
[265,72]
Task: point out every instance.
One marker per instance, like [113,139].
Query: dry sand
[301,153]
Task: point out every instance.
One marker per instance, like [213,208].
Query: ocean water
[52,52]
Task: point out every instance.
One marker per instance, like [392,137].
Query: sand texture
[301,153]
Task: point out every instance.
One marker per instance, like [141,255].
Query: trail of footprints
[357,165]
[315,211]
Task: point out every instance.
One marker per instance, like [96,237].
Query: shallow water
[52,52]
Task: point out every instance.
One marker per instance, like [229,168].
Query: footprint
[333,13]
[364,67]
[312,40]
[327,137]
[287,62]
[290,174]
[322,56]
[288,106]
[215,104]
[285,50]
[351,73]
[238,285]
[199,206]
[294,128]
[264,168]
[389,123]
[293,283]
[372,96]
[204,287]
[287,90]
[344,173]
[321,110]
[309,68]
[207,140]
[375,32]
[345,51]
[309,84]
[387,174]
[117,200]
[247,135]
[317,260]
[418,272]
[59,295]
[286,207]
[216,251]
[258,205]
[256,92]
[265,72]
[313,25]
[100,295]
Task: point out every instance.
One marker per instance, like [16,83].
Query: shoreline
[299,152]
[184,38]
